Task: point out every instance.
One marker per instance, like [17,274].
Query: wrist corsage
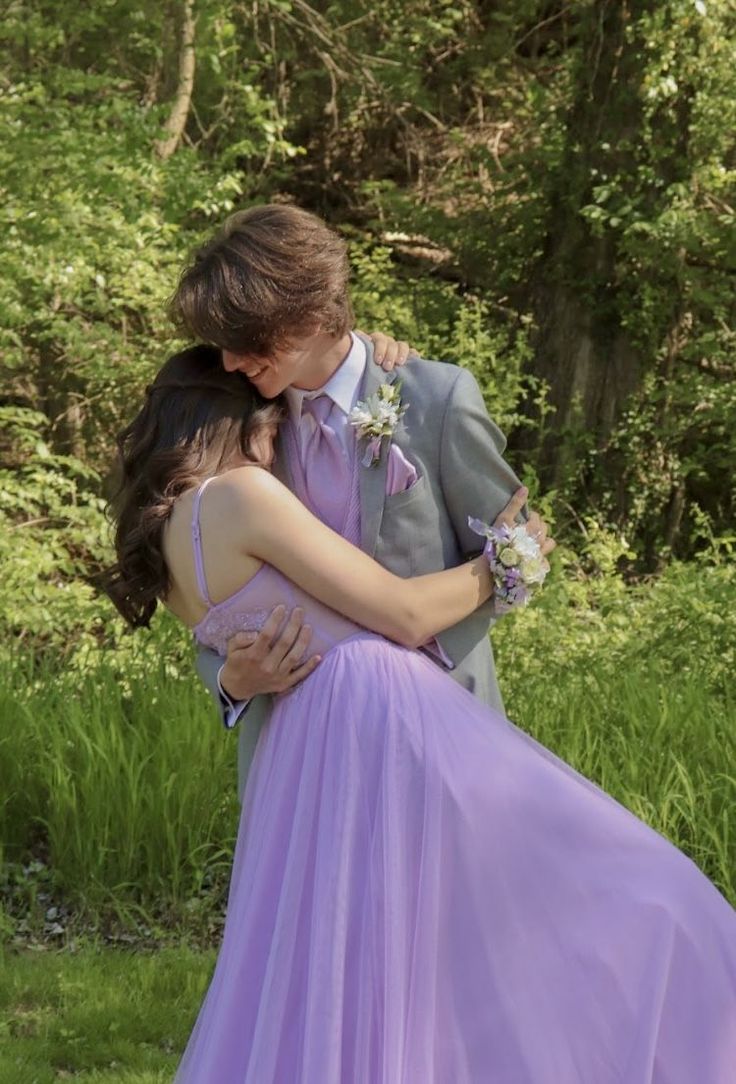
[377,418]
[516,562]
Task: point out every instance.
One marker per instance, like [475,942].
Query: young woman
[421,893]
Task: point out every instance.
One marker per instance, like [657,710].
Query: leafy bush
[591,621]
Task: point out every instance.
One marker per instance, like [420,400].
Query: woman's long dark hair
[195,418]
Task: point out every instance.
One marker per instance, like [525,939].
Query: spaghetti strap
[197,543]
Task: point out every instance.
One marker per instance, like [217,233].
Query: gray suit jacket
[447,434]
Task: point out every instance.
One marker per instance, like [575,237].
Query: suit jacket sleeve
[209,664]
[476,480]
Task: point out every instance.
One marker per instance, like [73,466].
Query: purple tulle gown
[423,894]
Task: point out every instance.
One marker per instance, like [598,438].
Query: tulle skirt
[423,894]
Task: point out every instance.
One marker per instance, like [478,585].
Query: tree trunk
[582,350]
[177,119]
[61,399]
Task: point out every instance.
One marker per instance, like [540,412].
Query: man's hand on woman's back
[268,661]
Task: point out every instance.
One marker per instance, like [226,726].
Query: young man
[271,290]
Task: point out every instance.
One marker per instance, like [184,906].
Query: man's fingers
[271,627]
[515,505]
[301,672]
[260,644]
[294,656]
[241,640]
[285,642]
[547,546]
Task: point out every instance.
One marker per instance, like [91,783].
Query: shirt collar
[343,387]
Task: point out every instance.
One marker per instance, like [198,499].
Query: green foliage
[52,530]
[94,239]
[634,687]
[512,164]
[672,219]
[443,323]
[456,125]
[595,624]
[96,226]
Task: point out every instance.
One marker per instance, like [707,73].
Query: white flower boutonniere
[377,418]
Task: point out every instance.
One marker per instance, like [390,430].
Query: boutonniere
[377,418]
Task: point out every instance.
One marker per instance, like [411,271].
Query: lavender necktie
[326,466]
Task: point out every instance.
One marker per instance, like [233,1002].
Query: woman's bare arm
[271,524]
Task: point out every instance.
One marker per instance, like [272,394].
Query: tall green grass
[661,744]
[132,788]
[131,792]
[127,787]
[118,777]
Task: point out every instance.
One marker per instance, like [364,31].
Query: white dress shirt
[343,388]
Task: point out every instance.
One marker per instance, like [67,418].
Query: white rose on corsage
[377,418]
[516,562]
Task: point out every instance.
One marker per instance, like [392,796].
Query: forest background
[543,192]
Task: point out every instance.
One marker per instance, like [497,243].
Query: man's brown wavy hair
[195,419]
[271,275]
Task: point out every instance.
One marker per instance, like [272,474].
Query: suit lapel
[372,479]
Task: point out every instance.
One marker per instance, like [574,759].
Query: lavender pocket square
[400,474]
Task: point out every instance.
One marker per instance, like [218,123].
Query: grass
[98,1015]
[127,789]
[661,744]
[124,785]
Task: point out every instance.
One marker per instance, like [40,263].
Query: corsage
[516,562]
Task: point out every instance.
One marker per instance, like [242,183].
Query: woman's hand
[535,525]
[388,352]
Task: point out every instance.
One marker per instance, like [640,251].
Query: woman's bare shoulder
[244,485]
[248,496]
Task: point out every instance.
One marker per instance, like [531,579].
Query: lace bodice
[248,609]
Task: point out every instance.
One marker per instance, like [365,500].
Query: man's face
[271,374]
